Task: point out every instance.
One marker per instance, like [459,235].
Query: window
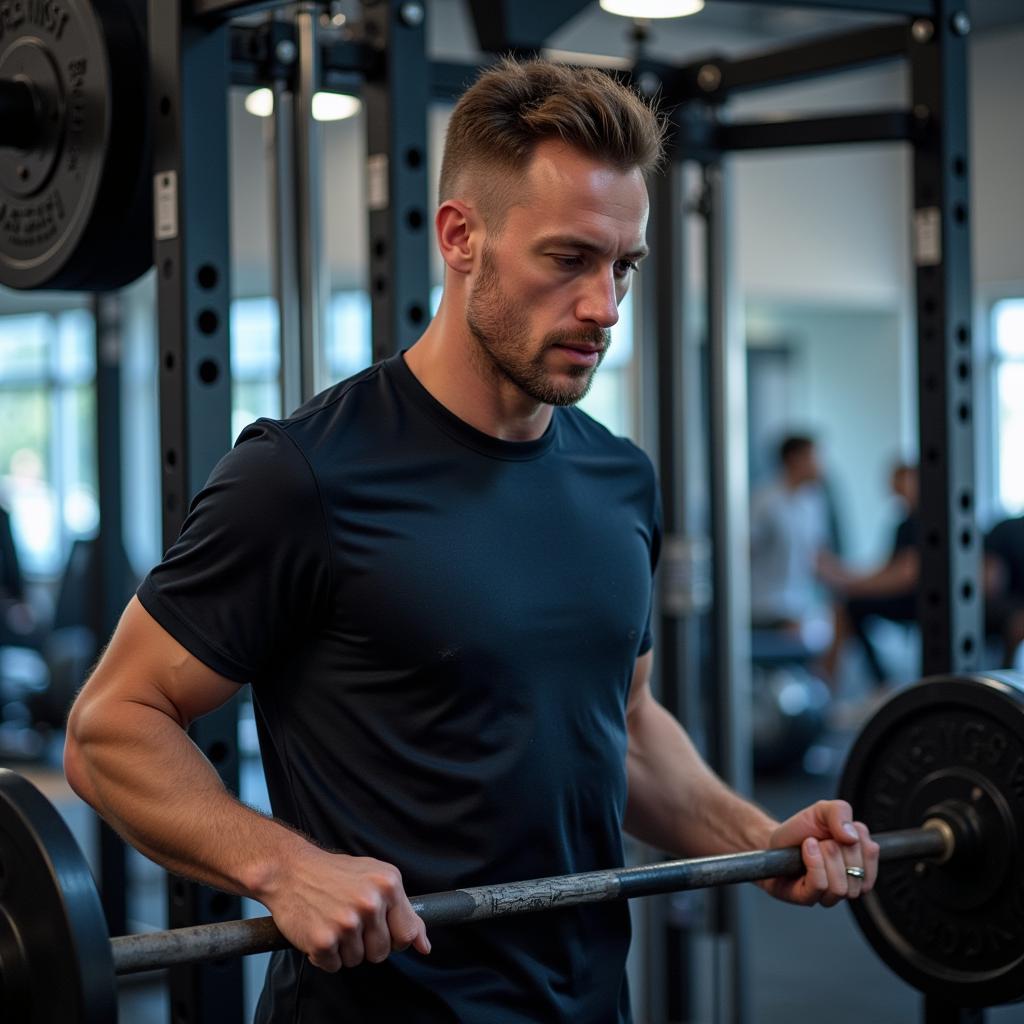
[1008,386]
[47,433]
[255,362]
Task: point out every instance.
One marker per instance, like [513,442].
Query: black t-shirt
[1006,541]
[906,535]
[440,629]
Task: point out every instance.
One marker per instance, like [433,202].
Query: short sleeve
[249,575]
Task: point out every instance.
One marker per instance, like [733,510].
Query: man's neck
[448,362]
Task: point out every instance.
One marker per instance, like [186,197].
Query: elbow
[76,766]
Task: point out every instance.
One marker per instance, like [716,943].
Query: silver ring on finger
[855,872]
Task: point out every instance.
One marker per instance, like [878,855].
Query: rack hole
[209,371]
[208,321]
[207,276]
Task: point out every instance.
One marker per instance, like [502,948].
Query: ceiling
[727,26]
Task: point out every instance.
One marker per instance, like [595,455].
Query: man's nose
[600,302]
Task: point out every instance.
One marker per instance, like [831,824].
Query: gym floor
[803,962]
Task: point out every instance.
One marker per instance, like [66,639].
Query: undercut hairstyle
[514,105]
[794,445]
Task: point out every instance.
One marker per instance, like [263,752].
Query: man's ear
[458,236]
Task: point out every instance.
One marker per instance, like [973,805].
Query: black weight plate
[74,206]
[56,965]
[954,930]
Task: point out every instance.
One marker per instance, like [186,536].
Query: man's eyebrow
[572,242]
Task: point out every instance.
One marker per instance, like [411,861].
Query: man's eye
[623,267]
[568,262]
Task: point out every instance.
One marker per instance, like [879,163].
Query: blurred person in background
[889,592]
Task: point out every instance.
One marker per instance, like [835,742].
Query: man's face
[804,466]
[549,283]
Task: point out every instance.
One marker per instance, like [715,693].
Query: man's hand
[341,910]
[831,841]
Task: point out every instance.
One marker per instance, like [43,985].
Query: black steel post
[950,593]
[306,164]
[670,364]
[190,70]
[113,581]
[396,102]
[283,216]
[729,739]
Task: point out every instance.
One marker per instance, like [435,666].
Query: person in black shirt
[17,619]
[889,592]
[1004,585]
[436,577]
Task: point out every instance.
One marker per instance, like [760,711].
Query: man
[437,578]
[789,538]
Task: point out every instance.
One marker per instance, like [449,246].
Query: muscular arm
[128,755]
[679,805]
[676,802]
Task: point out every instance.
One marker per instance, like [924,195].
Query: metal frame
[396,172]
[189,66]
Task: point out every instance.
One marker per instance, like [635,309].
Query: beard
[502,332]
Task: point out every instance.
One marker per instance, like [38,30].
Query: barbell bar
[199,943]
[937,775]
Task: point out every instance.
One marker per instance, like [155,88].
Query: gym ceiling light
[652,8]
[327,106]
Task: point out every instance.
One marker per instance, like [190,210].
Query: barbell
[938,775]
[76,200]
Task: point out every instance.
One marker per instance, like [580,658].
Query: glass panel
[254,333]
[1010,388]
[140,448]
[349,346]
[75,351]
[78,454]
[26,474]
[1008,327]
[251,399]
[608,400]
[24,345]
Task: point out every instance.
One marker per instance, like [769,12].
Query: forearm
[138,768]
[897,576]
[676,802]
